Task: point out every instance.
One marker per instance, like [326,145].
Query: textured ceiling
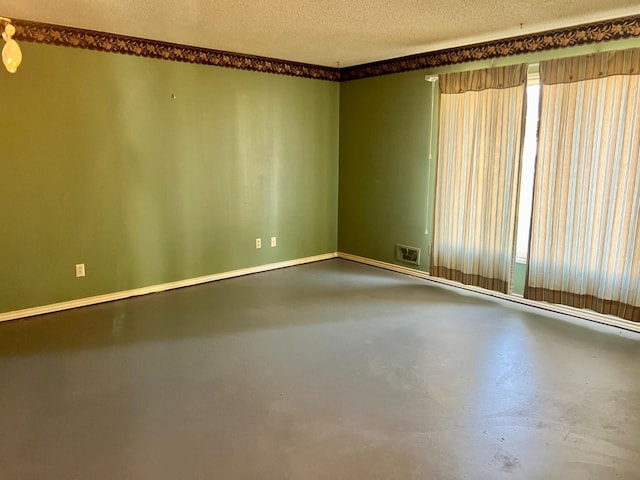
[321,32]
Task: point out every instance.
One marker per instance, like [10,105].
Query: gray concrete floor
[332,370]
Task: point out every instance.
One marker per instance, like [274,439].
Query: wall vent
[408,254]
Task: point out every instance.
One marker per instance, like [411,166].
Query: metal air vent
[408,254]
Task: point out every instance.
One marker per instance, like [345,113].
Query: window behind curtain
[479,150]
[585,238]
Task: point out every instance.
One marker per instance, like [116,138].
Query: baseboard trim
[110,297]
[532,304]
[387,266]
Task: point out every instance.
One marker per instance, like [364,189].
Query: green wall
[386,176]
[101,165]
[384,165]
[150,171]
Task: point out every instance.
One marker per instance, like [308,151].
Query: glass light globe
[11,53]
[11,56]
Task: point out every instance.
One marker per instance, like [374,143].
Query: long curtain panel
[585,230]
[477,175]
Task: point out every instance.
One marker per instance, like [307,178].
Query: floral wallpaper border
[615,29]
[37,32]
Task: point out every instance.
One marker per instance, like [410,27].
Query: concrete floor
[332,370]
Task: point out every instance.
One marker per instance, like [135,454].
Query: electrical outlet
[258,243]
[80,270]
[273,241]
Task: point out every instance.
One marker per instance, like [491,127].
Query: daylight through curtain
[585,235]
[479,151]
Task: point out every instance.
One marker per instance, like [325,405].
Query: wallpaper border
[615,29]
[37,32]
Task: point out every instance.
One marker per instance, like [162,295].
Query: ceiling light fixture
[11,53]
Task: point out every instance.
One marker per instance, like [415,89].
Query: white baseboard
[387,266]
[565,311]
[547,307]
[110,297]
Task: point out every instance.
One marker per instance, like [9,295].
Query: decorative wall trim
[28,31]
[585,34]
[110,297]
[562,310]
[590,33]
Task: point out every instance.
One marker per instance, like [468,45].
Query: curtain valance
[484,79]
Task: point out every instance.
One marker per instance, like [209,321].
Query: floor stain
[509,463]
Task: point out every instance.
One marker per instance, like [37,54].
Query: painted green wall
[101,165]
[384,162]
[151,171]
[386,176]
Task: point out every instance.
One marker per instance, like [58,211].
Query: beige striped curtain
[585,231]
[477,176]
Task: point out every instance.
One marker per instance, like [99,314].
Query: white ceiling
[321,32]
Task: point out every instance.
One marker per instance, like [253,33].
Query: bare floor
[332,370]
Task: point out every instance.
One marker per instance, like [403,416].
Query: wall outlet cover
[80,272]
